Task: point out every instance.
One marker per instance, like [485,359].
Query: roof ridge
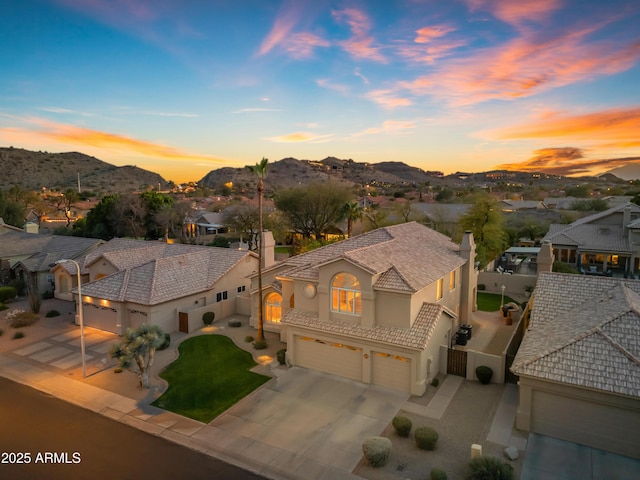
[619,347]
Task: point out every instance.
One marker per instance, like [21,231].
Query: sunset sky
[182,87]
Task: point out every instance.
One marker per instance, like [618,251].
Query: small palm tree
[260,171]
[137,349]
[353,211]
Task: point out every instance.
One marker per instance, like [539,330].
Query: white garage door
[103,318]
[330,357]
[600,426]
[391,371]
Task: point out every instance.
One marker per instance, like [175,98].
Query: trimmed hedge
[260,345]
[166,343]
[377,451]
[52,313]
[235,323]
[402,425]
[426,438]
[7,293]
[208,318]
[489,468]
[484,374]
[249,339]
[281,355]
[437,474]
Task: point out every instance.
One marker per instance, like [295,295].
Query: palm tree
[353,211]
[260,171]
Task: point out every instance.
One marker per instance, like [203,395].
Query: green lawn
[210,375]
[490,302]
[282,249]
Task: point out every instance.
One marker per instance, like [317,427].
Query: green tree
[260,171]
[313,208]
[244,219]
[137,350]
[484,219]
[154,202]
[353,212]
[11,212]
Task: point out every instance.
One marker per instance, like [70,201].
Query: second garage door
[605,427]
[104,318]
[330,357]
[391,371]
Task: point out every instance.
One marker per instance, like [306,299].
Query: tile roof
[584,331]
[587,234]
[408,256]
[416,337]
[175,273]
[44,250]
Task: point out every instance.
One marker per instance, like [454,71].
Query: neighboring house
[560,203]
[205,223]
[443,217]
[376,307]
[579,362]
[602,242]
[135,282]
[518,205]
[28,254]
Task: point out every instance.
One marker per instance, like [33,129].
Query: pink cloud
[388,99]
[429,34]
[301,45]
[285,22]
[389,127]
[517,12]
[525,66]
[360,45]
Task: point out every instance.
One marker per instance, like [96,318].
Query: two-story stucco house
[376,307]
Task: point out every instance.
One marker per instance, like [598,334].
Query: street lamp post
[82,352]
[502,298]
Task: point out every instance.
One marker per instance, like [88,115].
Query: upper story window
[439,288]
[346,296]
[273,307]
[452,280]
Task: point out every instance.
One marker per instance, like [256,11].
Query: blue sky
[184,87]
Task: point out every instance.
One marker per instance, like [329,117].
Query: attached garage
[603,426]
[390,370]
[104,318]
[329,357]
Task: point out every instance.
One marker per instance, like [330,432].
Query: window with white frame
[346,296]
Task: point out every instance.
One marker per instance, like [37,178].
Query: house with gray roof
[604,242]
[130,282]
[579,362]
[376,307]
[30,255]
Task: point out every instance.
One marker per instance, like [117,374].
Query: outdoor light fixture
[84,362]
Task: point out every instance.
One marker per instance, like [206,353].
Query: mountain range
[35,170]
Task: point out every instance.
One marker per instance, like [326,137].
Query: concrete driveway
[304,423]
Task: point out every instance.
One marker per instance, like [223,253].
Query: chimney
[545,257]
[469,280]
[626,218]
[268,249]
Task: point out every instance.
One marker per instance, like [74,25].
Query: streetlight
[84,362]
[502,299]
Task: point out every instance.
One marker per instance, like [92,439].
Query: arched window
[273,307]
[346,296]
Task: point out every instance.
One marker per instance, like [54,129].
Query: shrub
[18,335]
[235,323]
[47,295]
[281,355]
[402,425]
[117,370]
[260,345]
[3,307]
[435,382]
[377,451]
[481,287]
[166,343]
[489,468]
[20,318]
[7,293]
[426,438]
[208,318]
[484,374]
[52,313]
[437,474]
[249,339]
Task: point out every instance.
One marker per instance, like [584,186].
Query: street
[42,437]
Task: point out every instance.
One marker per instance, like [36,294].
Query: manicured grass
[210,375]
[282,249]
[490,302]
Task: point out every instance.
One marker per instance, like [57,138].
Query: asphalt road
[62,441]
